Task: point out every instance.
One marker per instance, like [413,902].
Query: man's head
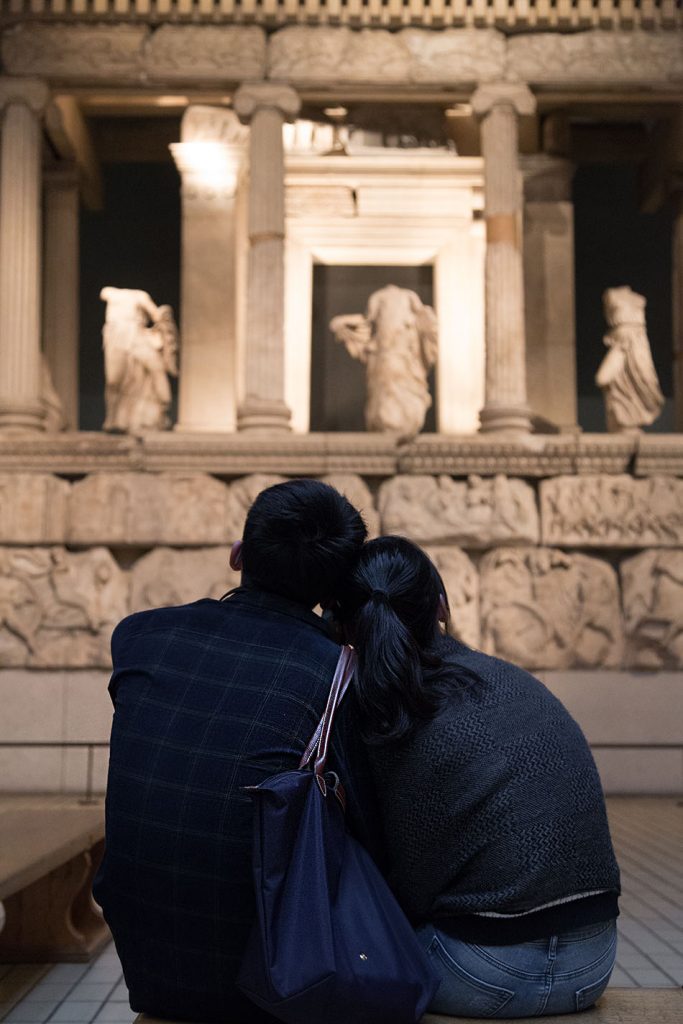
[300,539]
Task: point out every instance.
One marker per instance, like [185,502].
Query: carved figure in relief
[397,340]
[57,608]
[140,353]
[627,375]
[652,585]
[543,608]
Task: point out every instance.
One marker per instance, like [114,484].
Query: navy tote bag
[330,944]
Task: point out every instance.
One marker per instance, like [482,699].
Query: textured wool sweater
[492,812]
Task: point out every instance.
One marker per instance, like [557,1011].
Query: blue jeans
[561,974]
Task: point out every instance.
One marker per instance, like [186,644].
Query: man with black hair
[211,697]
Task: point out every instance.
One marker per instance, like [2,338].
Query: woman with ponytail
[492,811]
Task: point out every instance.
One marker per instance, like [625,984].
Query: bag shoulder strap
[320,740]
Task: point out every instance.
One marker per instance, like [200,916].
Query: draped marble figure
[140,353]
[627,375]
[397,340]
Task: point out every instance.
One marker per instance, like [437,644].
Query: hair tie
[379,595]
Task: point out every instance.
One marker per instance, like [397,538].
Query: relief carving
[461,580]
[74,51]
[474,514]
[596,56]
[241,494]
[167,577]
[652,595]
[148,509]
[356,490]
[210,52]
[306,54]
[612,511]
[33,508]
[543,608]
[58,608]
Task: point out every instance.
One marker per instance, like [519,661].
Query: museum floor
[648,835]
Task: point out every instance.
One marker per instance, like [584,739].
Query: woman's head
[390,607]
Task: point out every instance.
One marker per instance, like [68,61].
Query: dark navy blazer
[209,697]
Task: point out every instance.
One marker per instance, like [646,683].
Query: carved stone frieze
[168,577]
[543,608]
[74,51]
[240,497]
[652,596]
[33,508]
[58,608]
[475,514]
[332,54]
[148,508]
[206,52]
[614,511]
[356,490]
[461,580]
[616,57]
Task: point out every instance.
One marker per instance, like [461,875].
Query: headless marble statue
[397,340]
[627,376]
[140,352]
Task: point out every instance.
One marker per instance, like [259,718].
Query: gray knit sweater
[495,808]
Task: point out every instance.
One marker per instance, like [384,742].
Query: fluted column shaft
[266,106]
[60,288]
[505,406]
[20,255]
[209,158]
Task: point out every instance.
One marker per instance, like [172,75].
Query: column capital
[503,94]
[32,92]
[255,96]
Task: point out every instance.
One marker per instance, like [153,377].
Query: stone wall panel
[304,54]
[475,514]
[461,580]
[652,596]
[58,608]
[74,51]
[614,511]
[206,53]
[166,577]
[144,509]
[543,608]
[33,508]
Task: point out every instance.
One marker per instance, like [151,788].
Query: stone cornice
[378,455]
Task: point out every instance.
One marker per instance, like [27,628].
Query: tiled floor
[648,835]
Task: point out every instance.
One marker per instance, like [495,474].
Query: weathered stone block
[461,580]
[169,577]
[652,595]
[145,509]
[33,508]
[58,608]
[543,608]
[74,51]
[475,514]
[356,490]
[206,53]
[612,511]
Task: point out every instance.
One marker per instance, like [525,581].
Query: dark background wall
[135,243]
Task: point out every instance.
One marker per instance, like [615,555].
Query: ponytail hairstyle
[390,608]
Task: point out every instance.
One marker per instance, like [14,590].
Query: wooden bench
[617,1006]
[50,848]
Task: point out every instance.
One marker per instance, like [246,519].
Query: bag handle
[320,740]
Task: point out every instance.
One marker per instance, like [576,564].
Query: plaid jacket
[208,697]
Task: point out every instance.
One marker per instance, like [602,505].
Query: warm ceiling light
[459,110]
[335,112]
[172,101]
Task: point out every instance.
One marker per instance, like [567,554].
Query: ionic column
[60,287]
[22,102]
[549,289]
[209,158]
[498,105]
[266,106]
